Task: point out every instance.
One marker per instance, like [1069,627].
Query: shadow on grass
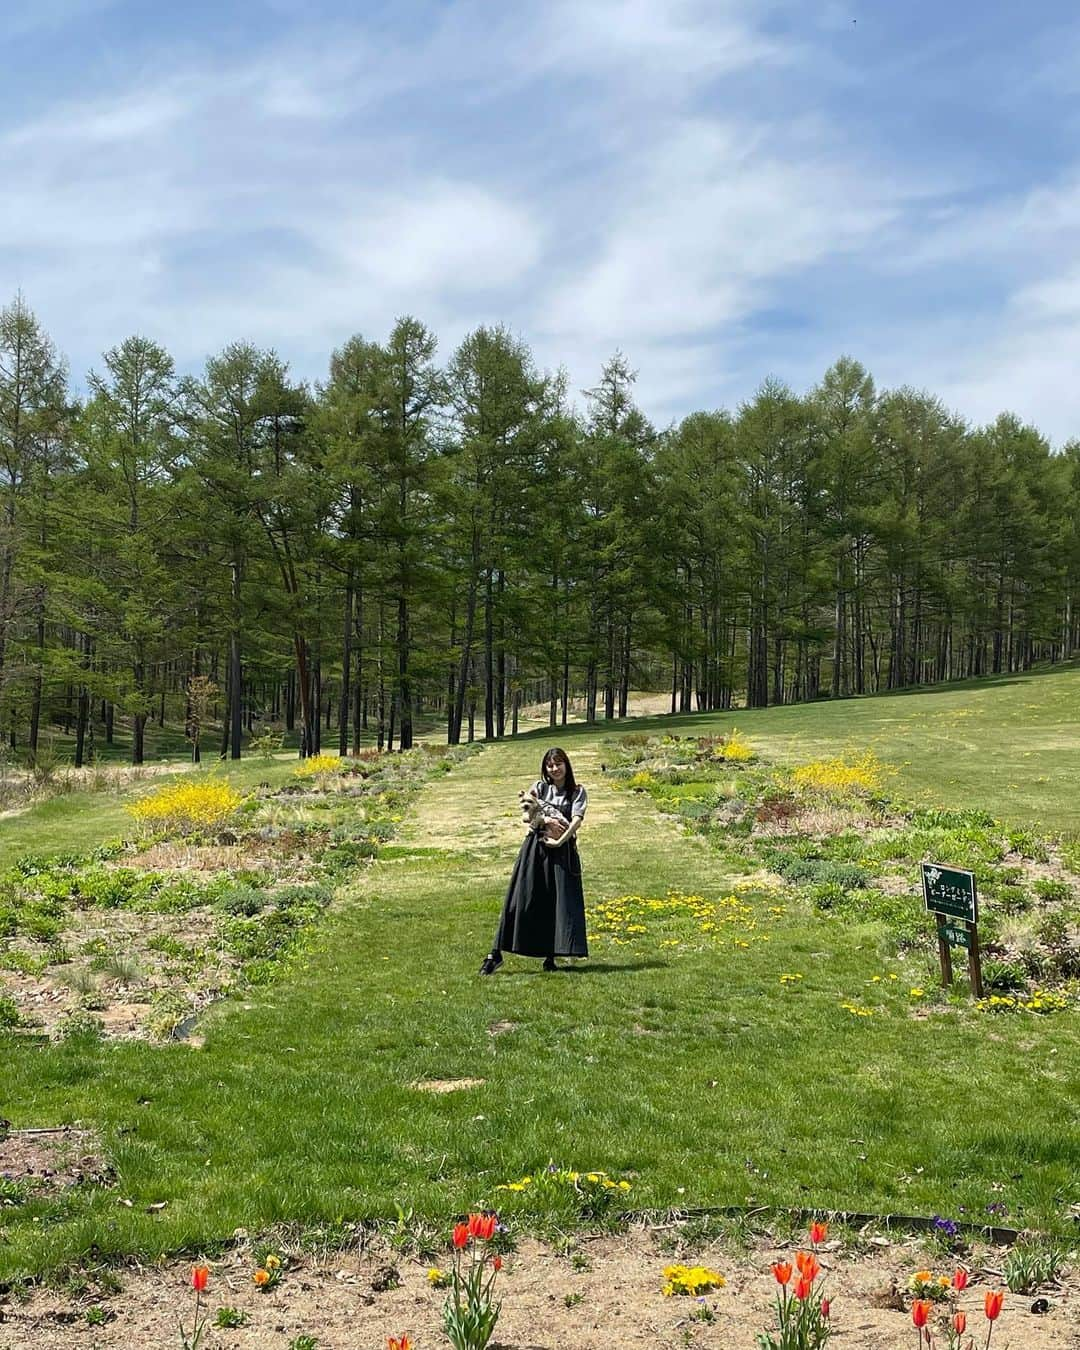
[591,969]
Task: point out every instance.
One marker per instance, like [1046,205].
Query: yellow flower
[184,808]
[261,1277]
[841,777]
[317,764]
[273,1263]
[690,1280]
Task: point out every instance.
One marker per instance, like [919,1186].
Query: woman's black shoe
[549,964]
[491,963]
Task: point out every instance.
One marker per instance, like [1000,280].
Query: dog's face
[531,807]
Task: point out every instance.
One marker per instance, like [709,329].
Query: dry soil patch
[606,1298]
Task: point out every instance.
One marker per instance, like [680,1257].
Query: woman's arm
[580,802]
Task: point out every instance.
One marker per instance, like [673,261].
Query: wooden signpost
[950,896]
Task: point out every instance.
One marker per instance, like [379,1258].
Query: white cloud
[706,222]
[101,122]
[689,38]
[442,235]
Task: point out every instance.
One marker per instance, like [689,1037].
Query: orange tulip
[825,1306]
[398,1343]
[261,1276]
[199,1277]
[482,1226]
[920,1311]
[475,1222]
[802,1289]
[497,1263]
[994,1300]
[818,1232]
[461,1234]
[959,1322]
[960,1279]
[808,1264]
[782,1271]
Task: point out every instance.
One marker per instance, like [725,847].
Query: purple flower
[946,1226]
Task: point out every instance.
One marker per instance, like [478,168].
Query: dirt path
[475,811]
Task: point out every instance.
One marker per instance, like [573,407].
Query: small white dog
[541,816]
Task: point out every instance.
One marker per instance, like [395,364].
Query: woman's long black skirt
[544,910]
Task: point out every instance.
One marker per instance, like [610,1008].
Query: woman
[544,910]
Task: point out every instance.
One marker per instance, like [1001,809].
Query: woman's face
[556,771]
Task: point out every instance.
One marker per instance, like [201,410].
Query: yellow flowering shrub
[841,777]
[317,764]
[735,747]
[691,1280]
[187,808]
[642,779]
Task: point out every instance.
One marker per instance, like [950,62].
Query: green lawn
[694,1071]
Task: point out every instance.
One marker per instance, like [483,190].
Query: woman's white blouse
[548,792]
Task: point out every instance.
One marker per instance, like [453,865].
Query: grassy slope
[694,1070]
[1010,745]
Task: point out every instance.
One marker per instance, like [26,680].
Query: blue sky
[723,190]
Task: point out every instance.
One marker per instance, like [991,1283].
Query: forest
[422,540]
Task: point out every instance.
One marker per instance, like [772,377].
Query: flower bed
[828,835]
[286,1291]
[213,892]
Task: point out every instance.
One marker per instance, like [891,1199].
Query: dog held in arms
[541,816]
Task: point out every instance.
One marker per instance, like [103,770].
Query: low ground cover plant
[557,1195]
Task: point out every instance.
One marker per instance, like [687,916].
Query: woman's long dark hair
[570,785]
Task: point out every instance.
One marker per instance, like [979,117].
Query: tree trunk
[405,738]
[346,668]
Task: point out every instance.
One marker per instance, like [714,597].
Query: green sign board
[950,891]
[953,933]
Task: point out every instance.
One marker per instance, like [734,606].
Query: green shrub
[826,895]
[111,888]
[1030,1265]
[170,896]
[935,818]
[1053,892]
[80,1024]
[902,915]
[243,900]
[1004,976]
[1013,900]
[9,1013]
[1028,844]
[819,871]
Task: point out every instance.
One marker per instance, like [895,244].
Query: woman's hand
[552,843]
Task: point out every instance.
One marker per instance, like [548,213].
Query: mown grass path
[694,1071]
